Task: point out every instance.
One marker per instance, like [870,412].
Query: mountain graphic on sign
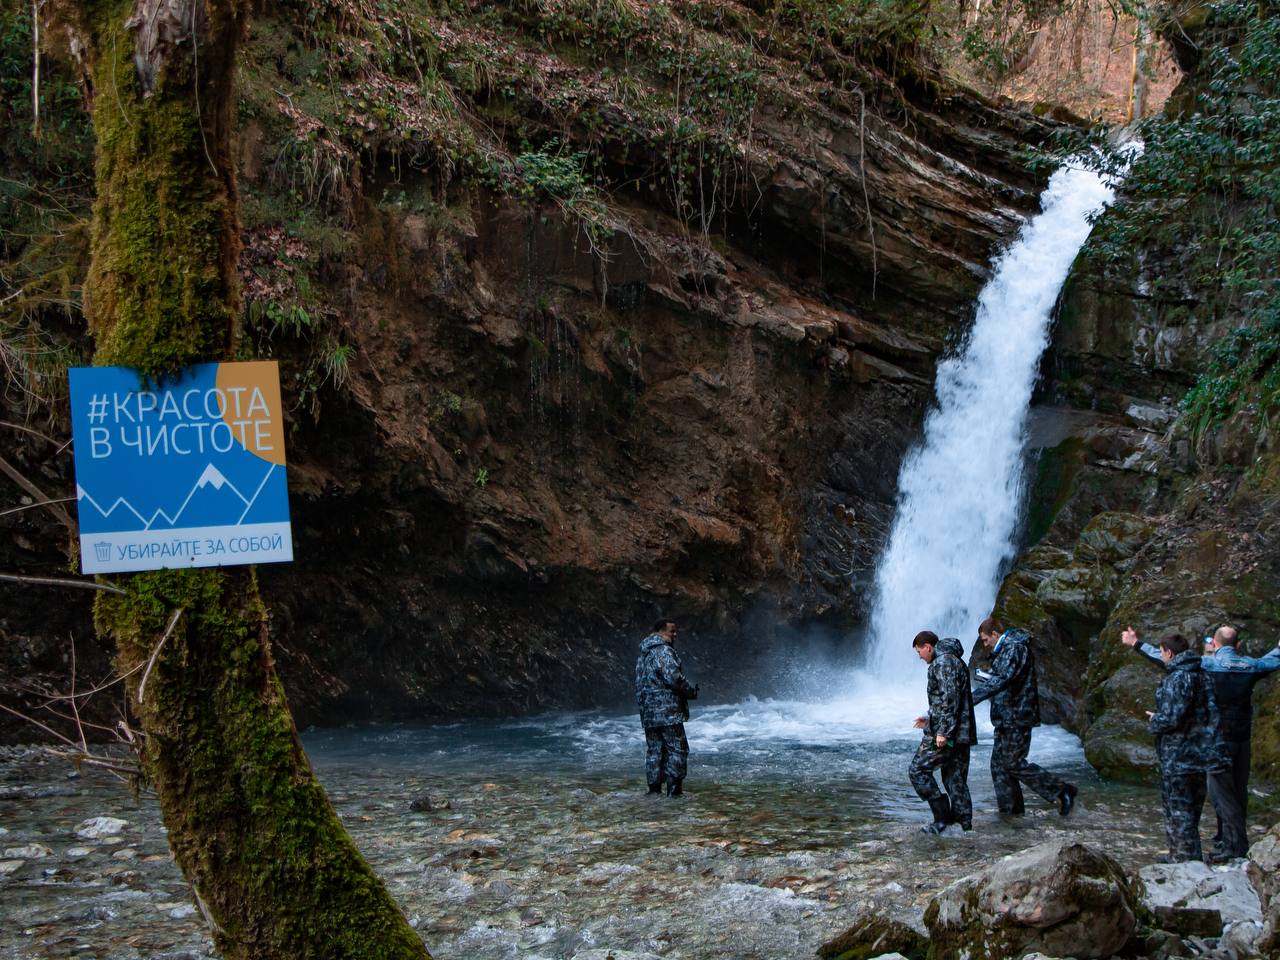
[214,501]
[212,475]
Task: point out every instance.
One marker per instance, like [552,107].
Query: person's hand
[1150,714]
[919,723]
[940,740]
[1129,638]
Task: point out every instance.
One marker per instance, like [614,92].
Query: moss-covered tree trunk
[269,862]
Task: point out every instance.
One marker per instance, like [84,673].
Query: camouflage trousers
[1182,796]
[666,753]
[1010,769]
[954,762]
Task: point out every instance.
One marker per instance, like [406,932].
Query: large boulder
[1059,898]
[1118,744]
[1264,873]
[872,937]
[1196,899]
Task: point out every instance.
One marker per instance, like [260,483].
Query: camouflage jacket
[1011,683]
[1185,723]
[662,692]
[1234,676]
[950,703]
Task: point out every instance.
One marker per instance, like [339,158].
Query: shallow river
[543,843]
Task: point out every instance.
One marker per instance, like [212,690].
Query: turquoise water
[541,842]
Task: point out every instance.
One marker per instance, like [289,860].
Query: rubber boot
[656,788]
[1067,799]
[673,788]
[942,818]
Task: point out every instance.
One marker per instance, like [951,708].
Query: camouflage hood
[651,641]
[950,645]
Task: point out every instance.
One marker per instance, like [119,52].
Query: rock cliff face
[550,438]
[1140,517]
[667,363]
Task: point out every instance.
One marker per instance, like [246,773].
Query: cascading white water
[959,490]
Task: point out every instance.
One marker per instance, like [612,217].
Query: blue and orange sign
[187,473]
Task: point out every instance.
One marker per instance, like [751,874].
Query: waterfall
[960,488]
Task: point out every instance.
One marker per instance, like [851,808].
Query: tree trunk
[269,862]
[1138,83]
[1077,37]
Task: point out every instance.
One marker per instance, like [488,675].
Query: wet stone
[430,804]
[96,828]
[32,851]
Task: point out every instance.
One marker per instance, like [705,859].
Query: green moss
[1053,486]
[162,290]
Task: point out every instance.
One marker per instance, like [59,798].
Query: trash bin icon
[102,551]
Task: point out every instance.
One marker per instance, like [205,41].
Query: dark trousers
[1229,791]
[1010,769]
[954,762]
[666,753]
[1182,796]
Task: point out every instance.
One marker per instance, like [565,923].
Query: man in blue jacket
[1015,710]
[663,695]
[1234,676]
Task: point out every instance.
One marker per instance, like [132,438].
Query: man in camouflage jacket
[1015,709]
[663,695]
[1234,676]
[949,732]
[1188,744]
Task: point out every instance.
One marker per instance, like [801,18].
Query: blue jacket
[1234,676]
[662,692]
[1011,684]
[1185,724]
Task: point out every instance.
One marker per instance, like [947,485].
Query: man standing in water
[663,695]
[1015,709]
[949,732]
[1234,676]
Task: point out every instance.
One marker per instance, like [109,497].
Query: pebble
[10,866]
[75,853]
[128,853]
[95,828]
[32,851]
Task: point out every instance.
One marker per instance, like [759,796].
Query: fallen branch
[173,622]
[14,474]
[32,506]
[35,433]
[61,582]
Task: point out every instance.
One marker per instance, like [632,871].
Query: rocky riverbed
[534,838]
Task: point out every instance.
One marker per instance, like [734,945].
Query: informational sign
[186,473]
